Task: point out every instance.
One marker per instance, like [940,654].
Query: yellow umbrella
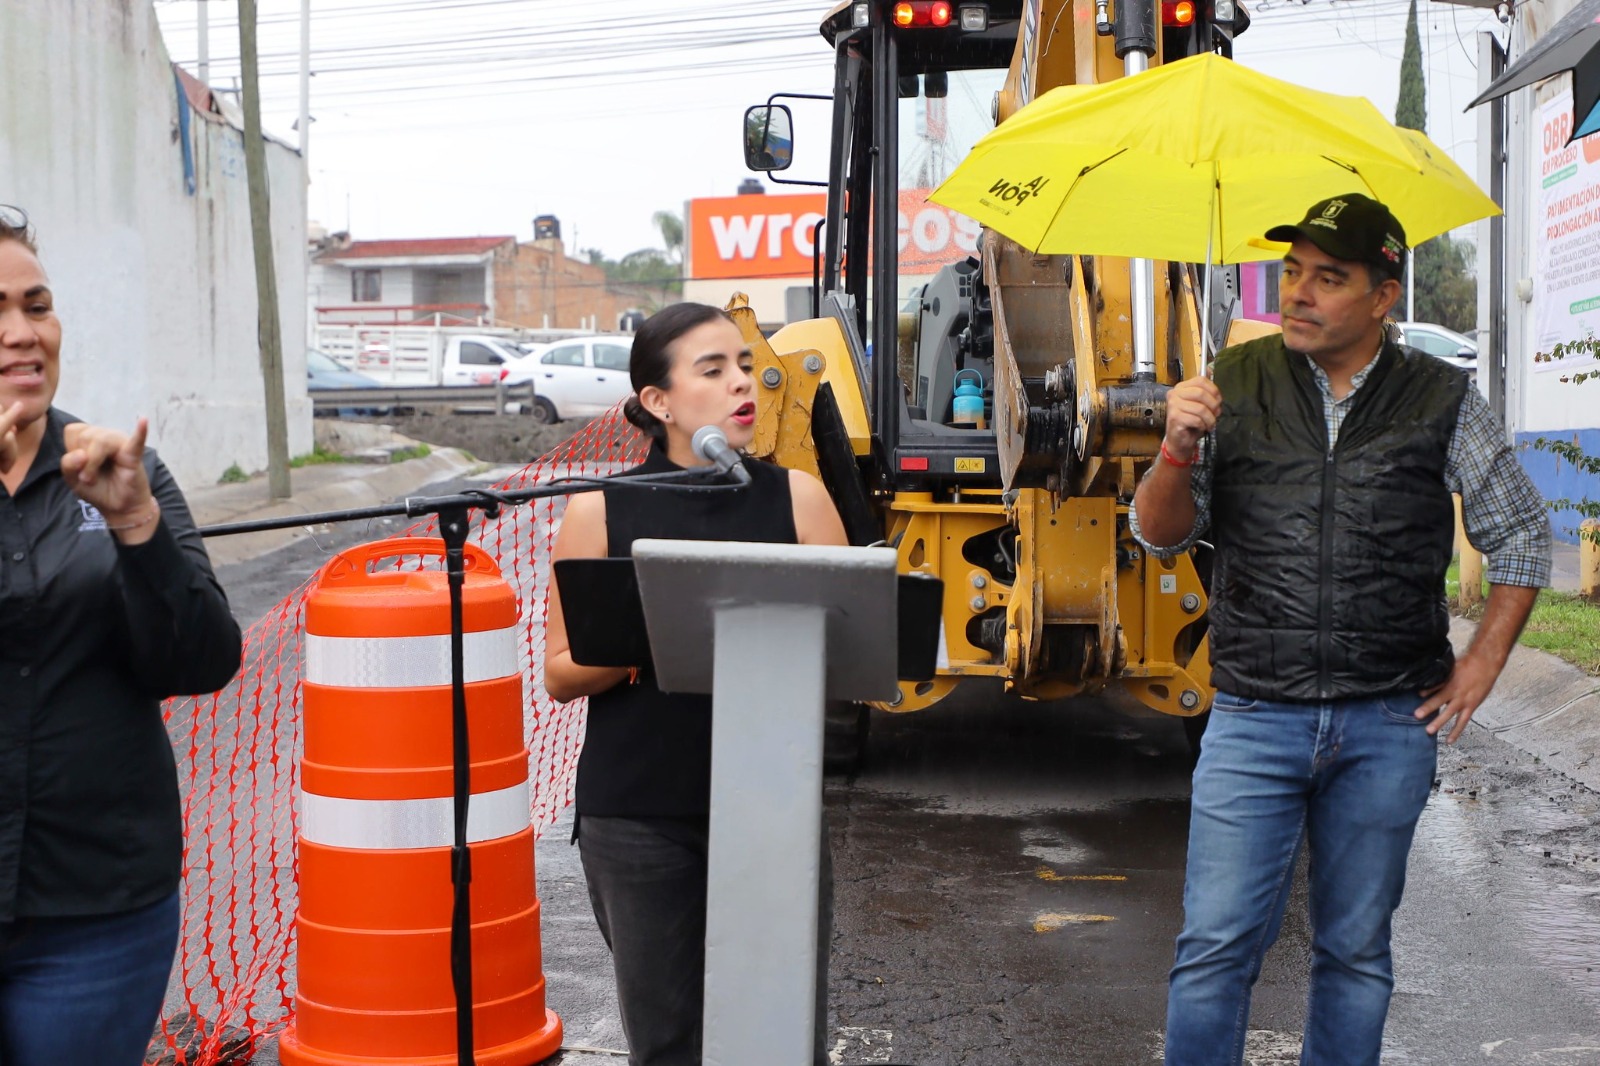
[1193,161]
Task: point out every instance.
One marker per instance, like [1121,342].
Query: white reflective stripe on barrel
[387,825]
[409,662]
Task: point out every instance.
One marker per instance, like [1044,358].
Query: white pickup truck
[425,355]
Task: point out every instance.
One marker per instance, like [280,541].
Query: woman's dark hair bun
[634,412]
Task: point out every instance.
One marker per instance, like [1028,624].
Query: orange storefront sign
[771,236]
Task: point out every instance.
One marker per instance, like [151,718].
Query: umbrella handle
[1207,349]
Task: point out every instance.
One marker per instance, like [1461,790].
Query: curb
[1543,705]
[314,489]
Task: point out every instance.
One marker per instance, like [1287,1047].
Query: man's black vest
[1329,578]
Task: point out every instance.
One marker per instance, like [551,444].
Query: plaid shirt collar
[1334,409]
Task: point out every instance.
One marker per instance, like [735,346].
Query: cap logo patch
[1392,248]
[1329,216]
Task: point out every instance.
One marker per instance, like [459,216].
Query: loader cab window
[912,101]
[948,113]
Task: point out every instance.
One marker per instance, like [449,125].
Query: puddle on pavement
[1047,845]
[1521,854]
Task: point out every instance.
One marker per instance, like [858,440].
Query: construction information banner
[1566,289]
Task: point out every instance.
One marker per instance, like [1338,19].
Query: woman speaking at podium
[644,777]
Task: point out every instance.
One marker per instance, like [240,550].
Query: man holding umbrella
[1322,463]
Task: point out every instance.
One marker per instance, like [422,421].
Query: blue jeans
[85,990]
[1347,777]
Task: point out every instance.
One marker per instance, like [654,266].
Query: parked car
[1446,344]
[323,373]
[421,355]
[580,376]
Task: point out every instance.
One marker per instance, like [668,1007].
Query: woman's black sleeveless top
[647,753]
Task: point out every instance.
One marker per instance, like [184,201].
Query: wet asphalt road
[1011,880]
[1008,887]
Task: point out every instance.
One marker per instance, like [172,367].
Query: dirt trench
[511,439]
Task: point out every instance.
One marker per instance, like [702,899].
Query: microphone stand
[454,514]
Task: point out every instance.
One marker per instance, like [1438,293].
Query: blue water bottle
[967,407]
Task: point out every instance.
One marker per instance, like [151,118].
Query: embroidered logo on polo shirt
[91,518]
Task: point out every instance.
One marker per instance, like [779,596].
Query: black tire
[844,737]
[544,412]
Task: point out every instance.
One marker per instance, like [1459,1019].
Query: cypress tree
[1411,110]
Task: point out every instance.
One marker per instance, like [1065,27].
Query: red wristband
[1171,459]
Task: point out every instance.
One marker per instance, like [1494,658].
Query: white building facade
[1552,271]
[450,280]
[136,187]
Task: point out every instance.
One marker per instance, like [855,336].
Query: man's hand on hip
[1456,700]
[1476,671]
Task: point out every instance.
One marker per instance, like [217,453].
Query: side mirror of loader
[768,137]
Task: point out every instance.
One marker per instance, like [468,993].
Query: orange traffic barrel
[376,822]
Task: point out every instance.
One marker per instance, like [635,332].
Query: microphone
[711,444]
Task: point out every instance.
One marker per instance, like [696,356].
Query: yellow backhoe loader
[1019,504]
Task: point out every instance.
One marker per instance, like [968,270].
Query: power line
[579,44]
[401,7]
[736,18]
[556,50]
[476,60]
[384,96]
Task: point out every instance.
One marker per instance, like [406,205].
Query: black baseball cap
[1353,227]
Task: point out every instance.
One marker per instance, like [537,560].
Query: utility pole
[1411,112]
[255,165]
[305,122]
[305,89]
[1411,287]
[205,43]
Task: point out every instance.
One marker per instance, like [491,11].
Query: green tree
[1411,110]
[648,266]
[1447,285]
[671,227]
[653,275]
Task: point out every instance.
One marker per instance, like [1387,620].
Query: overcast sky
[463,117]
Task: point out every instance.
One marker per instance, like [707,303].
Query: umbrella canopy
[1573,43]
[1193,161]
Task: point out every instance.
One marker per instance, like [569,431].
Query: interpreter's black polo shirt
[93,636]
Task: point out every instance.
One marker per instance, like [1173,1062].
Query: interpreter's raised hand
[1467,687]
[1193,406]
[8,436]
[105,467]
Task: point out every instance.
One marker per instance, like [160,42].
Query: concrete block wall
[155,284]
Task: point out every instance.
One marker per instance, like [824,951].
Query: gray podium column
[771,631]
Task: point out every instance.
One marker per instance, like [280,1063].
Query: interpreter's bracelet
[1171,459]
[155,513]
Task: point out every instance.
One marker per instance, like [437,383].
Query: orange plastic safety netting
[238,763]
